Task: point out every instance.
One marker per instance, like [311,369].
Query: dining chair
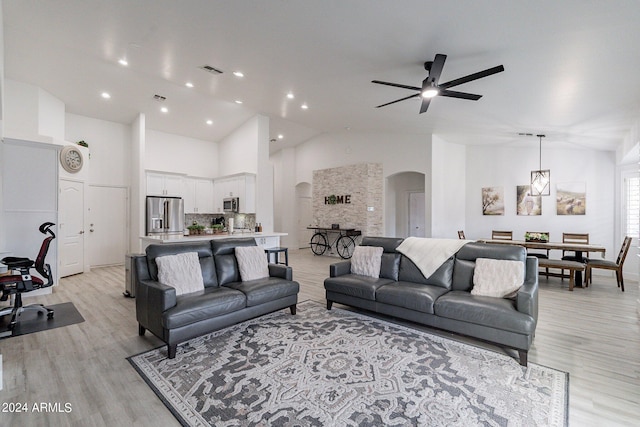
[609,265]
[461,235]
[501,235]
[580,238]
[544,254]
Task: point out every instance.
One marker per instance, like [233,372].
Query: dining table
[578,248]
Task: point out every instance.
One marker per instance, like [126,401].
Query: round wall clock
[71,159]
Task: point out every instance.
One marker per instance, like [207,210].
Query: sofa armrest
[152,300]
[281,271]
[340,268]
[527,297]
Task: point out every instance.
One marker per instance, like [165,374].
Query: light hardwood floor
[593,333]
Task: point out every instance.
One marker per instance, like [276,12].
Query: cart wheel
[318,244]
[345,246]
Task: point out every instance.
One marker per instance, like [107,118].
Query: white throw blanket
[429,254]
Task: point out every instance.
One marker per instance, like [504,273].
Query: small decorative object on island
[195,229]
[536,237]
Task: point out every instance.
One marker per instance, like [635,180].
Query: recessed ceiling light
[123,62]
[238,73]
[280,136]
[304,106]
[290,95]
[164,109]
[105,95]
[238,101]
[209,122]
[188,84]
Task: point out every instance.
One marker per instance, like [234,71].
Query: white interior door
[71,227]
[416,214]
[305,217]
[107,237]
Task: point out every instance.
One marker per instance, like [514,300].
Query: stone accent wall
[363,184]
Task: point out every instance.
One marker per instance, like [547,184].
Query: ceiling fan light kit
[431,88]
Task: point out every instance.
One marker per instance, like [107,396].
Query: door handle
[81,232]
[91,230]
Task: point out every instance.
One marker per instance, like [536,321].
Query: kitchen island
[265,239]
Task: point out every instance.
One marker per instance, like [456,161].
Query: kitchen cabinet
[198,195]
[242,186]
[161,184]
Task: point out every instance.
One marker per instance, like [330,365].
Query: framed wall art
[571,198]
[526,204]
[492,201]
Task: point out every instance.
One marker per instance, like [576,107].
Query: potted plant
[195,229]
[217,228]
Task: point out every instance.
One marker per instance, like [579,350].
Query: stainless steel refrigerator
[165,215]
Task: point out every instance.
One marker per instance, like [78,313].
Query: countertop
[173,238]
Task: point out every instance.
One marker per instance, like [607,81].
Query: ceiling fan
[431,88]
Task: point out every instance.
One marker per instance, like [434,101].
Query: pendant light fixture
[540,179]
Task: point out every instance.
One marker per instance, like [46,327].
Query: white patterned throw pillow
[181,271]
[498,278]
[252,262]
[366,261]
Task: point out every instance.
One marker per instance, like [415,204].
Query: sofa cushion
[252,262]
[366,261]
[264,290]
[465,260]
[491,312]
[412,296]
[390,261]
[497,277]
[224,255]
[356,286]
[180,271]
[205,256]
[442,277]
[197,306]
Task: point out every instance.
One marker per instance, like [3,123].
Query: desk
[578,248]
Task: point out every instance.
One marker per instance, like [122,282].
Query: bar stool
[276,251]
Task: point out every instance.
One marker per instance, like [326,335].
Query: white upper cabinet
[242,186]
[198,195]
[159,184]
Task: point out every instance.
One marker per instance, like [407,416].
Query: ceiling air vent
[159,98]
[210,69]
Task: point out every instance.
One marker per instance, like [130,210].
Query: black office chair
[17,284]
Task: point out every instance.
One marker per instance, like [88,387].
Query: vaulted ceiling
[571,66]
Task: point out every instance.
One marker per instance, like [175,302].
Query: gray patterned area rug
[339,368]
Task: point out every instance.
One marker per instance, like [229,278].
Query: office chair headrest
[46,228]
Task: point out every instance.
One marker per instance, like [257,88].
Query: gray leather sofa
[225,300]
[443,300]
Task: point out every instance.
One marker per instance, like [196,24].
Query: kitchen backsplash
[239,220]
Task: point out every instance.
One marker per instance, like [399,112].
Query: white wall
[179,154]
[30,112]
[109,145]
[508,167]
[239,150]
[448,188]
[396,152]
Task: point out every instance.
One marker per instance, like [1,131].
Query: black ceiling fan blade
[425,104]
[436,68]
[461,95]
[471,77]
[398,100]
[395,85]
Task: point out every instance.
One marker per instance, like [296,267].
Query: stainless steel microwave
[231,204]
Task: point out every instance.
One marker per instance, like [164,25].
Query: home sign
[338,200]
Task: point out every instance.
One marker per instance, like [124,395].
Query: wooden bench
[572,266]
